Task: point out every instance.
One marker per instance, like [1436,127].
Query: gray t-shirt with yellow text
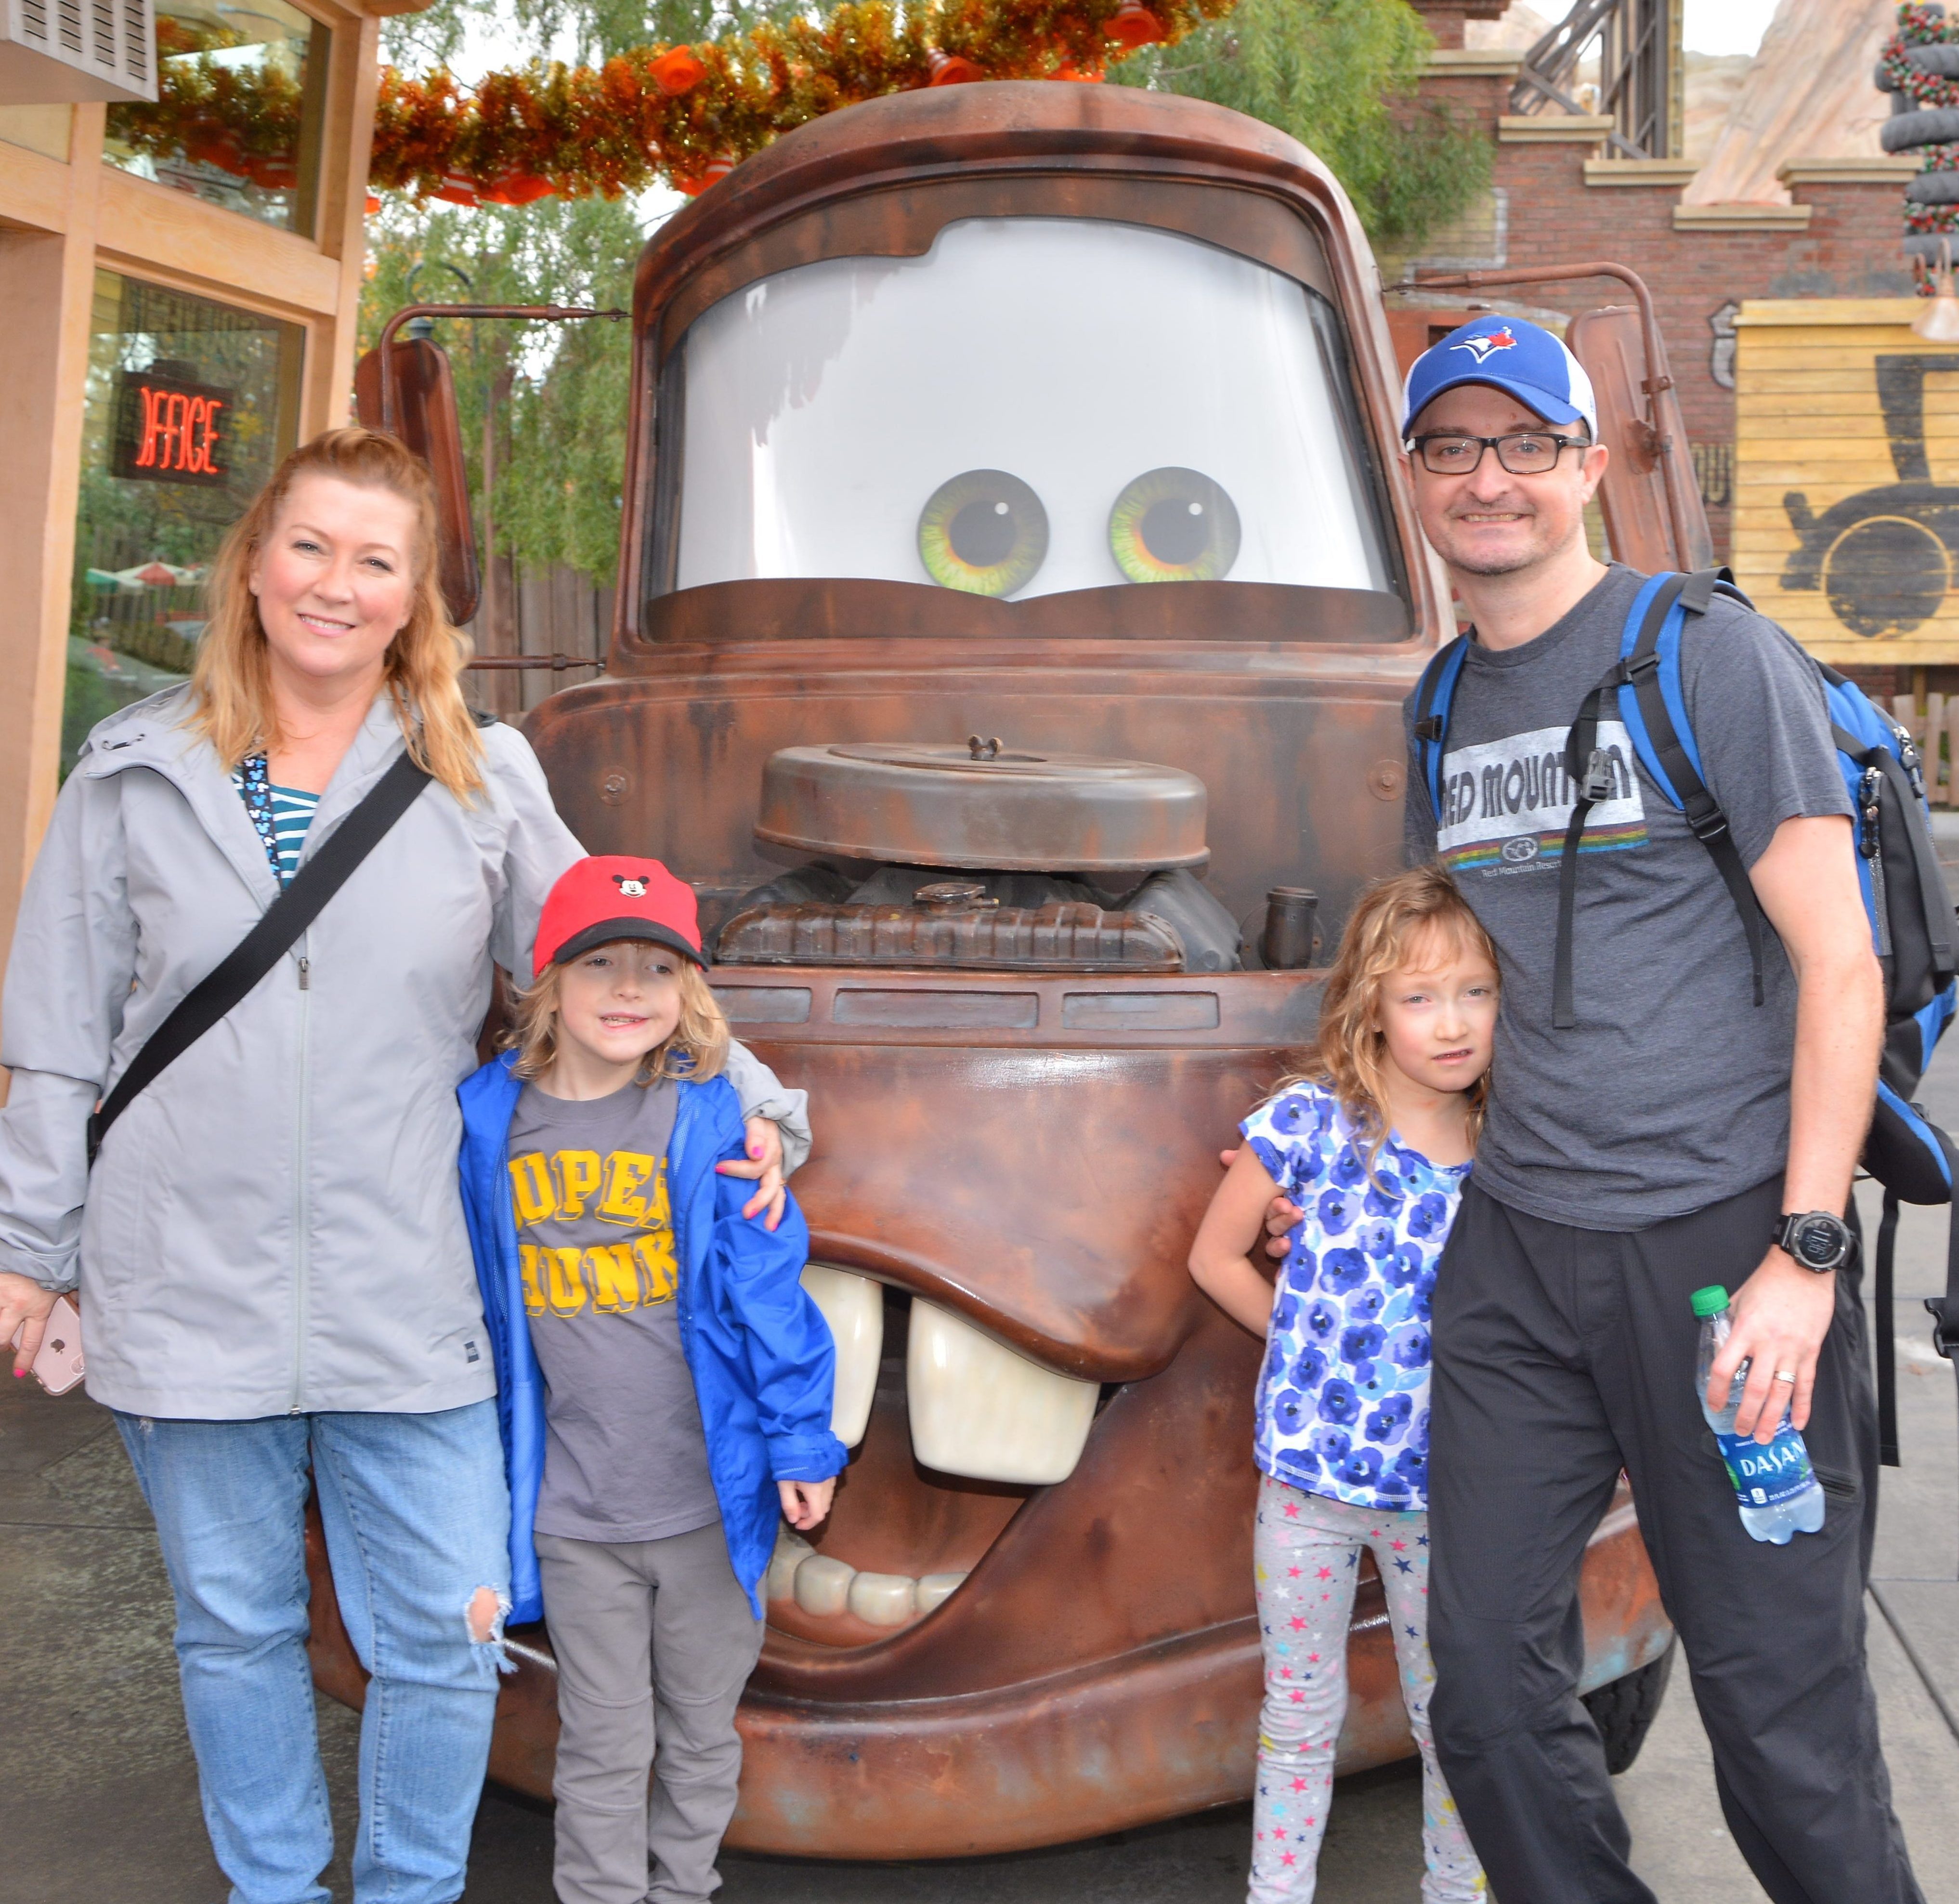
[625,1457]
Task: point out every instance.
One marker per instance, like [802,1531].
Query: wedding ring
[1783,1375]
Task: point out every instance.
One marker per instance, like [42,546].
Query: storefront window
[262,68]
[191,405]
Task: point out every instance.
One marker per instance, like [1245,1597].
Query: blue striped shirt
[280,815]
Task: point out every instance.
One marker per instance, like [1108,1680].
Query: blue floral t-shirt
[1343,1399]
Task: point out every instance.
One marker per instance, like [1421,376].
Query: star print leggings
[1307,1554]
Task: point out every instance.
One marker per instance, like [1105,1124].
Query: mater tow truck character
[1019,584]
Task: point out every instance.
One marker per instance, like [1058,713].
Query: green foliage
[561,389]
[1339,75]
[558,392]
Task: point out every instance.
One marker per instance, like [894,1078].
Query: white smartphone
[57,1365]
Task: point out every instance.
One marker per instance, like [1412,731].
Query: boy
[665,1384]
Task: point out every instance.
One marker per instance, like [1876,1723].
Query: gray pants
[1562,1354]
[655,1640]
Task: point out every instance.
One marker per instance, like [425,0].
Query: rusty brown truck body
[1019,586]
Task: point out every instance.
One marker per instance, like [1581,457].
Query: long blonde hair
[696,1049]
[232,687]
[1382,930]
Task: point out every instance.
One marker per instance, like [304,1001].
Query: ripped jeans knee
[483,1619]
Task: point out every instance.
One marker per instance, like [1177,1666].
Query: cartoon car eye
[1173,525]
[982,531]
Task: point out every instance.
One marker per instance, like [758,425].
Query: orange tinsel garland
[684,115]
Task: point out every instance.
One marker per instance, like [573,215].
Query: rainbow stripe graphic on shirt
[1506,804]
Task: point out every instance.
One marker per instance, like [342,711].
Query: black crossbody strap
[268,942]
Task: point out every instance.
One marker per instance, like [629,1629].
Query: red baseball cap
[611,896]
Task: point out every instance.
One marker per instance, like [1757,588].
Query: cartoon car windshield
[1034,405]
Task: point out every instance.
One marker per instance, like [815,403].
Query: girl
[664,1383]
[1373,1143]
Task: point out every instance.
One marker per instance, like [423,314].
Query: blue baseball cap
[1512,354]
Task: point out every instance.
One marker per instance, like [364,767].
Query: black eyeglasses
[1523,452]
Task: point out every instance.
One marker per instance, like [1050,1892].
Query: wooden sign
[1846,477]
[169,430]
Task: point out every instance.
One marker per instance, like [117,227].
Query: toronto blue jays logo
[1482,347]
[631,887]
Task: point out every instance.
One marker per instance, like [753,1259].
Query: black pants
[1562,1354]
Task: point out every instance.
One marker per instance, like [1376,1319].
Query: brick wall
[1851,248]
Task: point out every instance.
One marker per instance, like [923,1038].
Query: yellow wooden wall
[1875,579]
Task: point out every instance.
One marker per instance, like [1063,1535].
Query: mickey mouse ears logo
[1482,349]
[631,887]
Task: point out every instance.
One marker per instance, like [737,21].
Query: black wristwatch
[1816,1239]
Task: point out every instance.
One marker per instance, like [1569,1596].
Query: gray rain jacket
[275,1225]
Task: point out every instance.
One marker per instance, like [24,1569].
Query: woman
[271,1256]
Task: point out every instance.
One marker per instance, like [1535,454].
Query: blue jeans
[418,1520]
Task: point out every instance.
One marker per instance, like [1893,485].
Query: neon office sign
[169,430]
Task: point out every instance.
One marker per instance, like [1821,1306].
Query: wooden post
[342,227]
[47,284]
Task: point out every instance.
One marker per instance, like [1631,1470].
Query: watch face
[1819,1242]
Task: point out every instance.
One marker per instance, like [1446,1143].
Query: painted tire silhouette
[1886,575]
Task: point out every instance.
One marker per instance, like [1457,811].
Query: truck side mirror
[425,419]
[1648,529]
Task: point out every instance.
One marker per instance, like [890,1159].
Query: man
[1649,1150]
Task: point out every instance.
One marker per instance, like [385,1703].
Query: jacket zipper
[300,1264]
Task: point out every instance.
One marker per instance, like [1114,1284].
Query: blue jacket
[760,1354]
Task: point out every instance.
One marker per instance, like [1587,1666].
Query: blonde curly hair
[1406,919]
[231,686]
[696,1049]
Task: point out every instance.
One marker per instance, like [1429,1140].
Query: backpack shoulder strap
[275,934]
[1590,773]
[1653,705]
[1646,679]
[1433,696]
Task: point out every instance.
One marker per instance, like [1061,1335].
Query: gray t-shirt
[1671,1091]
[625,1457]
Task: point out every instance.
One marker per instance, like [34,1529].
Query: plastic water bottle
[1775,1487]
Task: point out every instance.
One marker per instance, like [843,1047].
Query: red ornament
[372,205]
[517,187]
[1133,25]
[458,189]
[1079,77]
[716,169]
[951,69]
[677,70]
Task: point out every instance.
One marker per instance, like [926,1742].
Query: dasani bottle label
[1765,1477]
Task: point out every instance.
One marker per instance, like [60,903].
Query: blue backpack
[1905,901]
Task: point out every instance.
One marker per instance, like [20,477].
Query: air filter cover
[981,805]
